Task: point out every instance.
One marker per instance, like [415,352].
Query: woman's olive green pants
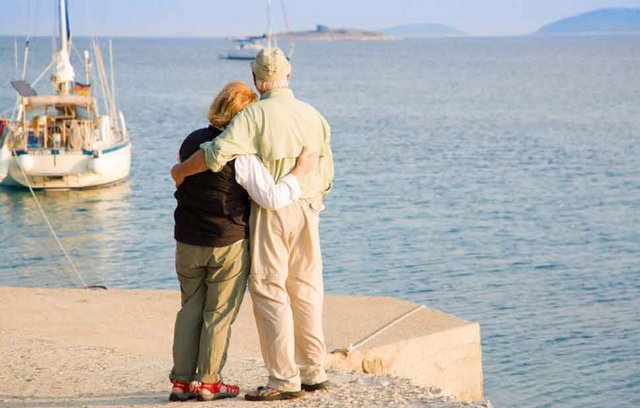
[212,285]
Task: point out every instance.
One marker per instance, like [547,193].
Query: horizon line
[391,38]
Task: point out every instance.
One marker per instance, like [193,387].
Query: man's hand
[177,174]
[193,165]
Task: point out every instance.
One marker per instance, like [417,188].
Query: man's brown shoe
[271,394]
[316,387]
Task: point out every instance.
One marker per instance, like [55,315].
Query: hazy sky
[170,18]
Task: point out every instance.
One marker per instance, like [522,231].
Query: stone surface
[66,330]
[432,348]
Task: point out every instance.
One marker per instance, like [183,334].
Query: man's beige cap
[270,64]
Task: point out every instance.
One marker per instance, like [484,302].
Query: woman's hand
[306,163]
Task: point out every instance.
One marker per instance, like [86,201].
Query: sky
[222,18]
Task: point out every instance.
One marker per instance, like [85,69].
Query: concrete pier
[429,347]
[51,339]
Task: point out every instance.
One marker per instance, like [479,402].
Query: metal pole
[64,42]
[26,59]
[63,25]
[15,54]
[113,78]
[97,54]
[87,67]
[114,113]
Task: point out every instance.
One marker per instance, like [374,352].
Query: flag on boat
[81,89]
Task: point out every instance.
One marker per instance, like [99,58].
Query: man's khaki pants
[287,292]
[212,285]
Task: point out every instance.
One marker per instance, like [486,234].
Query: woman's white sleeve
[256,179]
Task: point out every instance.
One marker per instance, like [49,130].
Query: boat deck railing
[66,134]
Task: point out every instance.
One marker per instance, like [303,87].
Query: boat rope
[53,232]
[31,26]
[42,74]
[288,35]
[269,33]
[74,51]
[352,346]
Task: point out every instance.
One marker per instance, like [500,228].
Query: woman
[212,254]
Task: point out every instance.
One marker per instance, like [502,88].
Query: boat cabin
[58,122]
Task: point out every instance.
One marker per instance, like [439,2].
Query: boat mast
[64,26]
[64,71]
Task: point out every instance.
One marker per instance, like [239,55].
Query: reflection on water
[92,224]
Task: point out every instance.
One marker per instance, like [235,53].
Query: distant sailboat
[247,48]
[63,140]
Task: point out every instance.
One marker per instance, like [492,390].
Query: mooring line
[352,347]
[46,219]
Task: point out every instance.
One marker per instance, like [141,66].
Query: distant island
[610,20]
[422,30]
[324,33]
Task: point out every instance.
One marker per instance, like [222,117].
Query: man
[212,249]
[286,273]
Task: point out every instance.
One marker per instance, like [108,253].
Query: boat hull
[75,170]
[243,53]
[238,57]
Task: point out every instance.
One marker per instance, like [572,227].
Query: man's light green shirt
[276,128]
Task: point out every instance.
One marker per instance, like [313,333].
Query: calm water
[497,179]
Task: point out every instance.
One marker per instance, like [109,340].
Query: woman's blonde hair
[234,97]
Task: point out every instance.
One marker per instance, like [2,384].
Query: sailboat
[247,48]
[67,139]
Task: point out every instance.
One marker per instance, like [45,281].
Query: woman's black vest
[213,209]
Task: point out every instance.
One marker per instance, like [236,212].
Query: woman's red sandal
[219,390]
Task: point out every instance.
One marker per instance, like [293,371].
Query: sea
[496,178]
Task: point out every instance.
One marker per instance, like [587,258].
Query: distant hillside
[422,30]
[610,20]
[324,33]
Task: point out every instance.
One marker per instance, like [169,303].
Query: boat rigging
[66,139]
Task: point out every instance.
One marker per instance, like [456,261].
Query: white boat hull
[62,140]
[242,54]
[68,170]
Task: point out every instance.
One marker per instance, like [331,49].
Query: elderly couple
[250,188]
